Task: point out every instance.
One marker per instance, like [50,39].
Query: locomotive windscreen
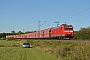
[68,28]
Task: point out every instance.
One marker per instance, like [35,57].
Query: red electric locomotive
[62,32]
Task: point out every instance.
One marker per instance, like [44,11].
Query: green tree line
[83,33]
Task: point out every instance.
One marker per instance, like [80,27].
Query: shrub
[10,39]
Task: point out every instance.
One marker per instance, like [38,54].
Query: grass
[4,43]
[9,52]
[65,50]
[24,54]
[44,50]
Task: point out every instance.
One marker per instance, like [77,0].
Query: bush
[65,50]
[10,39]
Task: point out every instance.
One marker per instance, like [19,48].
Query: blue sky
[24,14]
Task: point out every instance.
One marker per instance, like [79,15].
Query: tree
[3,35]
[13,32]
[27,32]
[83,33]
[19,32]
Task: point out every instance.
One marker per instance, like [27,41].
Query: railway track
[62,40]
[81,41]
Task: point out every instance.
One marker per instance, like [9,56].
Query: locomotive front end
[68,30]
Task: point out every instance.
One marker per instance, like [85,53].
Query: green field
[10,52]
[24,54]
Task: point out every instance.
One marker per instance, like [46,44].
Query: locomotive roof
[65,25]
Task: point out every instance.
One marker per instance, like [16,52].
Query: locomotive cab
[68,31]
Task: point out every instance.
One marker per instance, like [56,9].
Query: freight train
[64,31]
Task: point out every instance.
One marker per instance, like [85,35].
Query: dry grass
[65,50]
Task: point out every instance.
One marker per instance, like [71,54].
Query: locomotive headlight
[66,31]
[71,31]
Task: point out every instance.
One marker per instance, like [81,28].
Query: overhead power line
[76,13]
[80,19]
[76,8]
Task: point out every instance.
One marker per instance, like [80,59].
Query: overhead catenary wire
[76,8]
[75,13]
[72,15]
[80,19]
